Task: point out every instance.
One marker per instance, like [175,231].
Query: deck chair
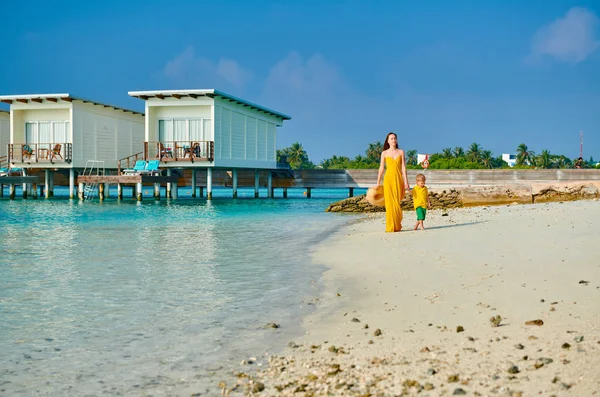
[55,152]
[27,151]
[163,152]
[192,151]
[152,168]
[139,167]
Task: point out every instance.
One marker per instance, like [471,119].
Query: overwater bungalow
[4,135]
[62,133]
[210,130]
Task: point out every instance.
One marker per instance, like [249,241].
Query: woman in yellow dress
[394,182]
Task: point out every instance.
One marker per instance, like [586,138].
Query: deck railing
[128,162]
[180,150]
[40,152]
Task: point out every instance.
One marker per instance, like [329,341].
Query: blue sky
[438,73]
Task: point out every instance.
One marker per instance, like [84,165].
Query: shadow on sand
[455,225]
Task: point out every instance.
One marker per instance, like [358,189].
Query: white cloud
[291,76]
[190,70]
[568,39]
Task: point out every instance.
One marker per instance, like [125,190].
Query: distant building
[511,159]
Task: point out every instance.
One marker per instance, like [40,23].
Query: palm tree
[486,158]
[374,151]
[447,153]
[411,157]
[474,153]
[524,155]
[458,152]
[544,160]
[297,156]
[562,161]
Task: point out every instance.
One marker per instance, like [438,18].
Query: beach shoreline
[411,312]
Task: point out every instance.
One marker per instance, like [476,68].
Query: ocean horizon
[152,297]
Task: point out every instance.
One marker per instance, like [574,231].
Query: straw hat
[375,196]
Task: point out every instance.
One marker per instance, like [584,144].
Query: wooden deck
[15,180]
[31,183]
[127,179]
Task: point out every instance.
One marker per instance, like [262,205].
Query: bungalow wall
[4,132]
[104,133]
[244,137]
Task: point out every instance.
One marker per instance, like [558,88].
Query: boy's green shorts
[421,212]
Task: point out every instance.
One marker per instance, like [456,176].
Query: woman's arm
[406,186]
[381,168]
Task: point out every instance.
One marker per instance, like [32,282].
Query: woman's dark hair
[386,145]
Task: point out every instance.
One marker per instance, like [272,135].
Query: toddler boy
[421,200]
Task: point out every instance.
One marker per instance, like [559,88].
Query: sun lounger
[152,168]
[139,167]
[11,171]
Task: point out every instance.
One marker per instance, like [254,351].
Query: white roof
[55,98]
[211,93]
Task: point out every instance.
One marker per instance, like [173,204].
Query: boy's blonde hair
[421,177]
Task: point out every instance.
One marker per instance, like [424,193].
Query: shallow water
[127,298]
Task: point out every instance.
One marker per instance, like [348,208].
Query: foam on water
[128,298]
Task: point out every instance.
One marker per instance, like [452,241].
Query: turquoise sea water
[151,298]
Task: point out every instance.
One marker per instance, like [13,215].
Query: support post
[1,190]
[308,192]
[234,176]
[34,192]
[269,184]
[209,183]
[285,192]
[175,190]
[50,189]
[24,192]
[47,177]
[119,191]
[11,191]
[157,191]
[193,182]
[138,188]
[101,191]
[72,184]
[107,190]
[201,189]
[256,183]
[351,192]
[80,192]
[169,173]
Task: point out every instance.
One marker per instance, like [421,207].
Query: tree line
[474,157]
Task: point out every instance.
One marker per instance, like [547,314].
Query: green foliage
[476,157]
[295,156]
[411,157]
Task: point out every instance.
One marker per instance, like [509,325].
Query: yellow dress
[393,191]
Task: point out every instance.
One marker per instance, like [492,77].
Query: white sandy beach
[521,262]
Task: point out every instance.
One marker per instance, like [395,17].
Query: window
[183,130]
[37,132]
